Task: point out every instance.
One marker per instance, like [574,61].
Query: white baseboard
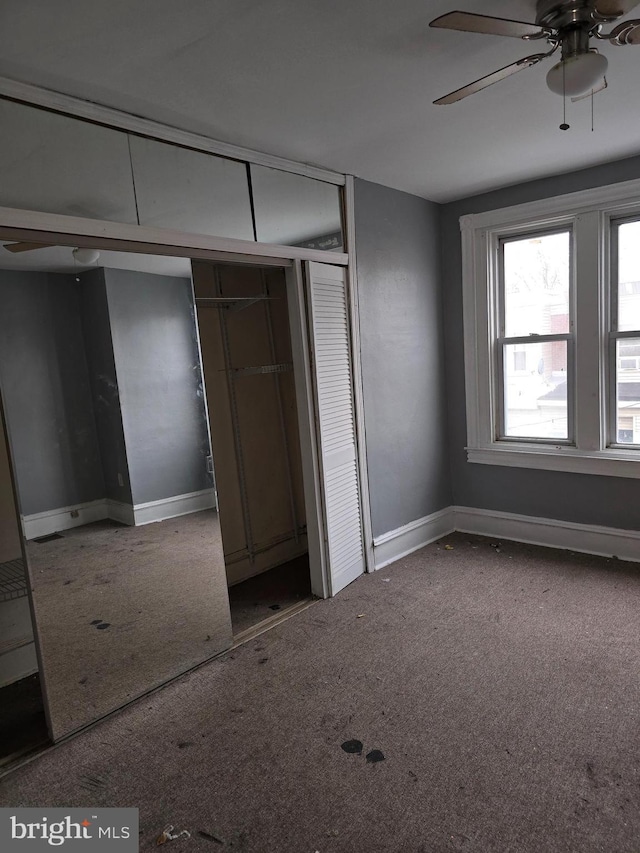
[44,523]
[121,512]
[550,532]
[398,543]
[172,507]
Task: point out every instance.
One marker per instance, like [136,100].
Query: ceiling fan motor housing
[558,14]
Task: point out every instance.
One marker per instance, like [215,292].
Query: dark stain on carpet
[353,747]
[374,756]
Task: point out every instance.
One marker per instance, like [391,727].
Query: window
[535,324]
[625,332]
[552,333]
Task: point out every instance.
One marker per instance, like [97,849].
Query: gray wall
[398,256]
[104,386]
[101,378]
[160,383]
[47,394]
[610,501]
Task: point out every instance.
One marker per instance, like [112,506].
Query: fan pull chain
[564,125]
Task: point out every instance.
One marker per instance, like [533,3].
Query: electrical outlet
[120,480]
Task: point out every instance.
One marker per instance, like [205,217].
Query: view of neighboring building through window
[535,336]
[626,332]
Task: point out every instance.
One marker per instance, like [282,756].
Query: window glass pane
[296,211]
[536,284]
[56,164]
[535,390]
[628,391]
[191,190]
[629,276]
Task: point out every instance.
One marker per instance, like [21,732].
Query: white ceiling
[344,85]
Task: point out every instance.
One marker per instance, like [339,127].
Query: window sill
[609,463]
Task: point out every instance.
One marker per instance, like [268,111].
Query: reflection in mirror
[293,210]
[101,376]
[190,190]
[57,164]
[22,720]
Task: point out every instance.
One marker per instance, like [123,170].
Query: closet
[251,402]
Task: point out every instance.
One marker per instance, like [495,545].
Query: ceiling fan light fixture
[86,257]
[577,75]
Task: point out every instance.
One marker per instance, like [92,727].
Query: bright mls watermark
[79,830]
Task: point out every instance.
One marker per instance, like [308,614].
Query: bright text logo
[83,831]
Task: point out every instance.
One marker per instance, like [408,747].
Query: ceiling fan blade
[600,88]
[628,32]
[490,79]
[612,9]
[468,22]
[26,247]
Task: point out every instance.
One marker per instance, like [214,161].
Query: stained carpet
[500,684]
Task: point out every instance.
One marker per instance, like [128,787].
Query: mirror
[57,164]
[95,172]
[293,210]
[190,190]
[22,719]
[101,375]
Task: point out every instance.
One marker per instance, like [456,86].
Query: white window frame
[589,214]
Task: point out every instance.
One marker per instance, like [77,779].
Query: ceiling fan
[566,24]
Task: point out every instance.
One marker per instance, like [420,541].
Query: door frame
[309,450]
[36,226]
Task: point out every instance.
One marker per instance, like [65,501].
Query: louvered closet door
[336,422]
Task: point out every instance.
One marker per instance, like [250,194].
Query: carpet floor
[499,686]
[122,609]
